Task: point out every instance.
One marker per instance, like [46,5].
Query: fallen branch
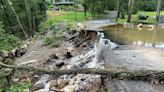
[131,75]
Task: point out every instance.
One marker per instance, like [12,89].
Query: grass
[53,17]
[61,16]
[53,41]
[151,18]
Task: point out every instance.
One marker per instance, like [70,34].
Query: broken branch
[131,75]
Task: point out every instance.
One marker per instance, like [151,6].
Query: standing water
[131,35]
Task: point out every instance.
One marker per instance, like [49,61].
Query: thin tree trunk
[85,9]
[158,10]
[130,6]
[118,10]
[28,15]
[129,11]
[8,4]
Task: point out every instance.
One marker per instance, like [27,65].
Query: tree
[27,16]
[130,6]
[159,4]
[9,5]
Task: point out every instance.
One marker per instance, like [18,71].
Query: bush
[53,41]
[150,5]
[8,41]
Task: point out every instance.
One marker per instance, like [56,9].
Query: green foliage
[30,13]
[20,87]
[146,13]
[149,5]
[66,16]
[53,41]
[8,41]
[103,90]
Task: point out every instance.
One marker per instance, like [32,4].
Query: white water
[101,49]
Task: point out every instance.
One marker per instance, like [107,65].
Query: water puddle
[131,35]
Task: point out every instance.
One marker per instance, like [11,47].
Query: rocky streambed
[81,49]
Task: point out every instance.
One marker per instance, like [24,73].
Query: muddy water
[133,36]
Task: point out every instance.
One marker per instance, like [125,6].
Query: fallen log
[130,75]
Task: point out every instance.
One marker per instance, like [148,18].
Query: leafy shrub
[150,5]
[20,87]
[8,41]
[53,41]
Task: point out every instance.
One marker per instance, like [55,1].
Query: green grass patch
[134,19]
[53,41]
[54,17]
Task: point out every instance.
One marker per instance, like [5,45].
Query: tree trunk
[130,75]
[85,9]
[118,10]
[130,5]
[9,5]
[158,10]
[28,15]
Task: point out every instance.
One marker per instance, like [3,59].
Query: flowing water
[131,35]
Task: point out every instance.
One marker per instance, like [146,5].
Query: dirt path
[106,20]
[38,53]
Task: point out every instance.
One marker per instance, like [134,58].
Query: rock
[1,58]
[54,56]
[86,83]
[55,89]
[39,86]
[70,49]
[53,60]
[24,46]
[62,83]
[58,84]
[16,80]
[59,63]
[69,89]
[54,83]
[41,83]
[4,54]
[68,55]
[142,17]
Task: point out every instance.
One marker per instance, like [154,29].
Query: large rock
[38,86]
[4,53]
[86,83]
[58,84]
[59,63]
[69,89]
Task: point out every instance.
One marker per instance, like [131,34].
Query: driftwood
[130,75]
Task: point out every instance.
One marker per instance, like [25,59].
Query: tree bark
[28,15]
[130,4]
[130,75]
[158,10]
[118,10]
